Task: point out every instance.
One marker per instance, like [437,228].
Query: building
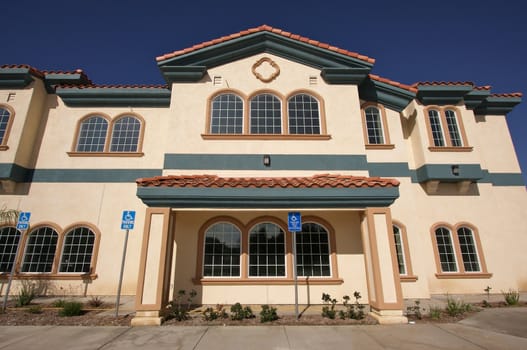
[404,190]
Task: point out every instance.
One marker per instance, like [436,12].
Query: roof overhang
[114,96]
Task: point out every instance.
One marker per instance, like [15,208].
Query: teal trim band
[15,77]
[15,172]
[443,94]
[115,97]
[267,197]
[92,175]
[390,96]
[449,172]
[497,105]
[391,170]
[344,75]
[503,179]
[185,74]
[255,162]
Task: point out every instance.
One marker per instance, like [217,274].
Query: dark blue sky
[116,42]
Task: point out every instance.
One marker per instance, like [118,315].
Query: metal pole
[13,269]
[121,275]
[295,275]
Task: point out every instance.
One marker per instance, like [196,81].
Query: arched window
[436,128]
[374,126]
[40,250]
[266,114]
[445,247]
[125,134]
[92,134]
[267,251]
[9,239]
[226,114]
[467,246]
[77,250]
[304,115]
[399,249]
[5,121]
[313,251]
[453,128]
[446,129]
[222,249]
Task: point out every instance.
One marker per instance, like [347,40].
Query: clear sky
[116,41]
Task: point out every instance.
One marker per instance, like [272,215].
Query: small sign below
[294,221]
[23,221]
[128,220]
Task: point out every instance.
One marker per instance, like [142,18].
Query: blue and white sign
[294,221]
[128,220]
[23,221]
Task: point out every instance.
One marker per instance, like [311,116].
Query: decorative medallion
[266,70]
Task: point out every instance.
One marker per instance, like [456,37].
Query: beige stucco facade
[64,188]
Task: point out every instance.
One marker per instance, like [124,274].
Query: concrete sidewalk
[499,328]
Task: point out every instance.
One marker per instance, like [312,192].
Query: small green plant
[179,308]
[71,308]
[95,301]
[26,294]
[456,308]
[353,311]
[435,312]
[268,314]
[35,309]
[415,310]
[512,297]
[59,303]
[211,314]
[238,312]
[486,301]
[327,310]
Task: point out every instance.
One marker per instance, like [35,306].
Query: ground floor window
[222,251]
[9,238]
[312,249]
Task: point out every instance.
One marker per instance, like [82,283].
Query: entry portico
[336,205]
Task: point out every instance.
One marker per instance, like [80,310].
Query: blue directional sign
[128,220]
[23,221]
[294,221]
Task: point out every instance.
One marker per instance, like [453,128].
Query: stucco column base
[147,318]
[389,316]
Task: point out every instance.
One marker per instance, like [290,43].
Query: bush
[71,308]
[238,312]
[95,301]
[59,303]
[456,308]
[435,312]
[268,314]
[35,309]
[415,310]
[512,297]
[211,314]
[179,308]
[328,311]
[353,311]
[26,294]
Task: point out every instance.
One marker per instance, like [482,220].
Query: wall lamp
[267,160]
[455,170]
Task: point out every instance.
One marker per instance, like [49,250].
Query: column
[384,285]
[153,283]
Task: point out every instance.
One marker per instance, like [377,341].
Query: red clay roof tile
[512,94]
[393,83]
[316,181]
[272,30]
[442,83]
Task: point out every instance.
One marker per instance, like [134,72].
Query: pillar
[384,285]
[153,283]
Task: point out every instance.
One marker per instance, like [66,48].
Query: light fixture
[267,160]
[455,170]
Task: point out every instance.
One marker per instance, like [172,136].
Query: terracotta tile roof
[393,83]
[317,181]
[266,28]
[32,70]
[42,73]
[512,94]
[443,83]
[486,87]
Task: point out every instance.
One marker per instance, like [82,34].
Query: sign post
[294,225]
[22,225]
[127,223]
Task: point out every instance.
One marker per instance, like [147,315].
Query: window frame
[26,240]
[12,252]
[109,136]
[384,127]
[9,124]
[445,130]
[55,273]
[210,111]
[249,254]
[461,272]
[288,116]
[284,101]
[409,275]
[244,278]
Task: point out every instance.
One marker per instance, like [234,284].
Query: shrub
[327,310]
[268,314]
[435,312]
[211,314]
[352,311]
[456,308]
[238,312]
[95,301]
[59,303]
[71,308]
[179,308]
[512,297]
[415,310]
[26,294]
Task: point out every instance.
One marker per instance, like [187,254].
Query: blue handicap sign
[128,220]
[294,221]
[23,221]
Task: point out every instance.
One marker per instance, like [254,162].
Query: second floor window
[445,128]
[226,114]
[266,114]
[6,117]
